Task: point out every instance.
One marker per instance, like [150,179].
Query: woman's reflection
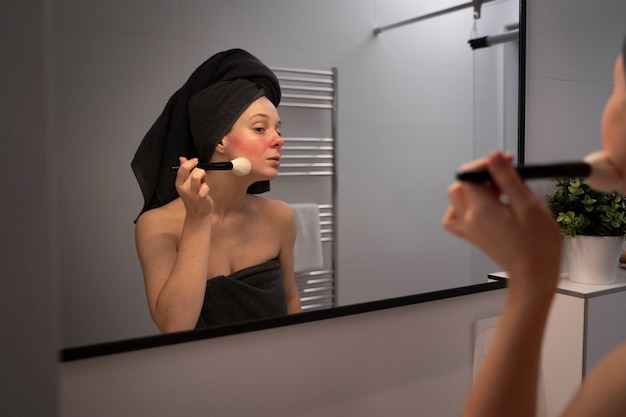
[211,250]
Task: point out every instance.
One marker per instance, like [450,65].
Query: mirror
[412,103]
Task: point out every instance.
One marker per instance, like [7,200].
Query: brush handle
[559,170]
[211,166]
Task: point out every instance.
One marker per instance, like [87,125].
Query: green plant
[579,210]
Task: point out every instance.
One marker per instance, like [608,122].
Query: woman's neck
[229,194]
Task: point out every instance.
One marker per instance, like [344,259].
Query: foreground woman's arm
[523,238]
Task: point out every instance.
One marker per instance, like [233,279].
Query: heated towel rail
[307,174]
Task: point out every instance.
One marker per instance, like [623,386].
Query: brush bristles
[604,177]
[241,166]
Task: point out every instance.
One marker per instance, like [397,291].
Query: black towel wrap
[197,117]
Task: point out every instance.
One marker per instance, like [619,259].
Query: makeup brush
[597,171]
[557,170]
[239,166]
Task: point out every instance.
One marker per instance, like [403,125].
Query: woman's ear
[220,148]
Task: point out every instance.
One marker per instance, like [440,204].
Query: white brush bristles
[241,166]
[604,177]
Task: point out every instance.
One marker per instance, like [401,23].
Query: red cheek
[251,149]
[246,147]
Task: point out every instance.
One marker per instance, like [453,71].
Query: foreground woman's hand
[506,221]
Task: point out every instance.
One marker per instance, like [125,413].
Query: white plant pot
[593,259]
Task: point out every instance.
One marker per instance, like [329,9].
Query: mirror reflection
[413,103]
[212,251]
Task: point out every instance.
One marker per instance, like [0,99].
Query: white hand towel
[307,251]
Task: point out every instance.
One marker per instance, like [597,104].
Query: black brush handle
[210,166]
[559,170]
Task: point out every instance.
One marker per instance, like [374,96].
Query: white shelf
[565,286]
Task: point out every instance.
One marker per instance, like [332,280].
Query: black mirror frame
[109,348]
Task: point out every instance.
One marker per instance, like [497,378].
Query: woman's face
[256,136]
[614,117]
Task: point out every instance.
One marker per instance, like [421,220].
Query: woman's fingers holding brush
[479,214]
[192,187]
[468,198]
[185,167]
[189,177]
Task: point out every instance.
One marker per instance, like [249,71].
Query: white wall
[572,46]
[404,108]
[406,361]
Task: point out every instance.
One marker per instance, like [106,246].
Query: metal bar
[308,148]
[380,29]
[487,41]
[306,80]
[315,273]
[302,139]
[307,105]
[308,97]
[317,290]
[320,275]
[286,156]
[312,165]
[323,285]
[302,71]
[318,281]
[314,297]
[308,307]
[306,88]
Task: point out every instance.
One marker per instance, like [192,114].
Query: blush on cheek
[251,149]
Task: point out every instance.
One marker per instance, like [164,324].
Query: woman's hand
[192,188]
[507,221]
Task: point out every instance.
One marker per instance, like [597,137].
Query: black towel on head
[196,118]
[213,110]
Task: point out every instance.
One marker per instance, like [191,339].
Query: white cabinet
[586,322]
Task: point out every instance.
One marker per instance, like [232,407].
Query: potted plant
[593,225]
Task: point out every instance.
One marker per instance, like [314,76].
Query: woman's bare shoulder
[278,215]
[274,208]
[162,219]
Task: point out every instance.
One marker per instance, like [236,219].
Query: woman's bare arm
[175,277]
[175,261]
[287,237]
[523,238]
